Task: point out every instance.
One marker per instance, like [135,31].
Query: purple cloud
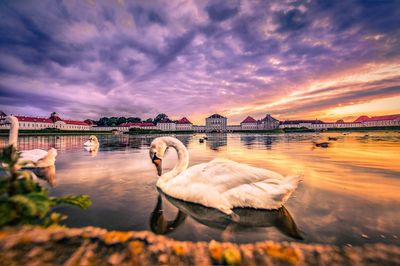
[87,60]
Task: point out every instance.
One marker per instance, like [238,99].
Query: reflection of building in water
[216,123]
[248,140]
[61,143]
[184,138]
[216,140]
[254,141]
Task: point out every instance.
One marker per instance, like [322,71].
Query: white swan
[220,183]
[32,158]
[92,142]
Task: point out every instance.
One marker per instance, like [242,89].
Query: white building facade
[216,123]
[184,124]
[166,125]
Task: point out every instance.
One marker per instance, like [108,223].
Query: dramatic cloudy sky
[294,59]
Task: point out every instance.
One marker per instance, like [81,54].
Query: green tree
[134,119]
[103,121]
[149,120]
[160,117]
[113,121]
[121,120]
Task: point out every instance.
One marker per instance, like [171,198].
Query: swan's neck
[183,160]
[13,138]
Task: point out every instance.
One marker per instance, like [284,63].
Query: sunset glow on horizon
[293,59]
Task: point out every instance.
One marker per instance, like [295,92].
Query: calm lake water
[350,192]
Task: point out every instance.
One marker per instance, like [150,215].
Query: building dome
[216,116]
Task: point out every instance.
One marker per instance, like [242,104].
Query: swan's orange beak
[157,162]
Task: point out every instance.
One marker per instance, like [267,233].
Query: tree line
[116,121]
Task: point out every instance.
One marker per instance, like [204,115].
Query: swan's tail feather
[291,181]
[49,159]
[52,152]
[288,185]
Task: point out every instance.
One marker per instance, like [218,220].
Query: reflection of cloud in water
[348,189]
[92,150]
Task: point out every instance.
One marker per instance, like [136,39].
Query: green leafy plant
[23,200]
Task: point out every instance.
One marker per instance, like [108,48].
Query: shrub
[23,200]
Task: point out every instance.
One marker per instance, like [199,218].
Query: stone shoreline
[96,246]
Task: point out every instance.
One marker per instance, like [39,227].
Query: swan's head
[93,138]
[92,142]
[157,151]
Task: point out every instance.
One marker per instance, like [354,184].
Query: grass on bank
[23,200]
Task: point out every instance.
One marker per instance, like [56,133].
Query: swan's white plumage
[36,157]
[92,142]
[33,155]
[225,184]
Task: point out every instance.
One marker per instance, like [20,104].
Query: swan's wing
[40,158]
[207,184]
[266,194]
[33,155]
[224,174]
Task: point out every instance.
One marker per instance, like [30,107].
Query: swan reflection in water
[249,219]
[93,150]
[47,174]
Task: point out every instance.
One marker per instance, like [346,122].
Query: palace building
[166,125]
[249,124]
[184,124]
[54,121]
[213,123]
[216,123]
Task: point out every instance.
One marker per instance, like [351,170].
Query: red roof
[249,119]
[139,124]
[183,120]
[75,122]
[385,117]
[89,122]
[362,118]
[365,118]
[48,120]
[34,119]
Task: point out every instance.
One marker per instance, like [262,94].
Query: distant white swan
[35,158]
[220,183]
[92,142]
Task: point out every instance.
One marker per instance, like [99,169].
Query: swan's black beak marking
[157,161]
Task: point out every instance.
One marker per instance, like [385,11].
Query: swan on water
[33,158]
[92,142]
[221,184]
